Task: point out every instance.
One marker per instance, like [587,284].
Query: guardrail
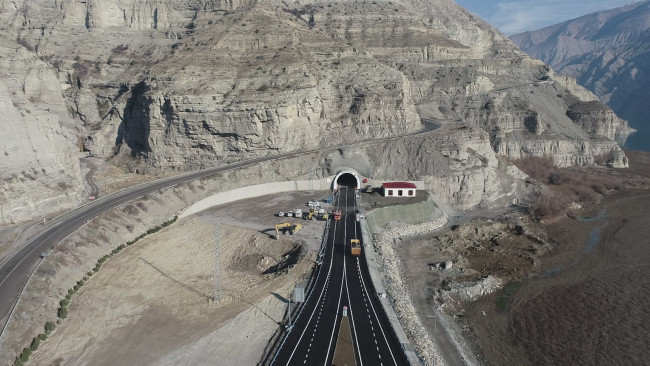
[386,303]
[281,335]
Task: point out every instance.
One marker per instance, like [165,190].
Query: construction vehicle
[355,247]
[310,215]
[337,215]
[287,226]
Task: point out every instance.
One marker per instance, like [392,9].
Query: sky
[517,16]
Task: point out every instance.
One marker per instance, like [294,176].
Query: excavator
[287,226]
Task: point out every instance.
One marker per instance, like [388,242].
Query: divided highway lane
[343,281]
[375,341]
[309,342]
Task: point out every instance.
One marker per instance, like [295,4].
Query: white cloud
[519,16]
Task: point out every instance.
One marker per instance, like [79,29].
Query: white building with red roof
[399,189]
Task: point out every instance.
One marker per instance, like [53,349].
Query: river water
[592,242]
[639,140]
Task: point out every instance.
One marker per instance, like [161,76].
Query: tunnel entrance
[347,180]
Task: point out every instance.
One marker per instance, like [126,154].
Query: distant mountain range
[608,52]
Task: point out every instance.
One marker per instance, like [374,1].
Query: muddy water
[592,242]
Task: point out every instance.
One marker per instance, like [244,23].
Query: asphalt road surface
[343,282]
[16,270]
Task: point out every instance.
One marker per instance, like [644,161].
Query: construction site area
[155,303]
[481,289]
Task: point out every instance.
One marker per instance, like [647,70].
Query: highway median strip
[62,312]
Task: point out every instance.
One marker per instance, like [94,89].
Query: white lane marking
[338,304]
[320,298]
[347,290]
[365,290]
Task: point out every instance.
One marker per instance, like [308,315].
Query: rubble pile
[396,287]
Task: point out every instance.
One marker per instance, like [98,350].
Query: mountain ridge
[607,52]
[176,85]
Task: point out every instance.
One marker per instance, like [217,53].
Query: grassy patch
[505,296]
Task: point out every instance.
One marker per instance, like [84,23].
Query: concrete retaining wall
[257,190]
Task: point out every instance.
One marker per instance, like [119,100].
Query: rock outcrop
[184,84]
[39,154]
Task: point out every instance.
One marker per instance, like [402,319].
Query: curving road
[16,270]
[343,281]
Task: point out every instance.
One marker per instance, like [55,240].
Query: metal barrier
[274,345]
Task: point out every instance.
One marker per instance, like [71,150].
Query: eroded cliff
[183,84]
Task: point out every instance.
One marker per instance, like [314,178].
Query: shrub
[49,327]
[537,167]
[35,343]
[550,203]
[24,357]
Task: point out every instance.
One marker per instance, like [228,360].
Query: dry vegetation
[566,188]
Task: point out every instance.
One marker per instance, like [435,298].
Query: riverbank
[586,302]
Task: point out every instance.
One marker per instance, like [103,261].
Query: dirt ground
[261,214]
[154,302]
[573,289]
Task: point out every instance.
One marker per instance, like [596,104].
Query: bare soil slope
[573,291]
[153,303]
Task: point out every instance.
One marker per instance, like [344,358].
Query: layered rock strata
[173,84]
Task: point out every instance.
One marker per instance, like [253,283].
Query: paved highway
[343,281]
[16,270]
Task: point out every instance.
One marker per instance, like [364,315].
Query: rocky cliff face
[39,156]
[607,53]
[180,84]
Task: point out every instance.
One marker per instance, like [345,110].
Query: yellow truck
[355,247]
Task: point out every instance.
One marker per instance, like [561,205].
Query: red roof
[397,185]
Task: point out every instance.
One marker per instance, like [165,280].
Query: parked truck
[355,247]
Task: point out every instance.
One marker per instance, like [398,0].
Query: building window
[411,192]
[400,192]
[390,192]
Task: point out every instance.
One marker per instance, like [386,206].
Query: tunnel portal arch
[346,178]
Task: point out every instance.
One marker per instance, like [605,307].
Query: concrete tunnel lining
[335,183]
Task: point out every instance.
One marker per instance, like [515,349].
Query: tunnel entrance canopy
[347,178]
